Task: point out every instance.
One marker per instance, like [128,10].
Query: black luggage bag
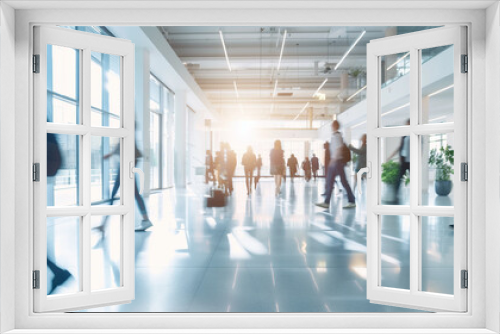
[216,199]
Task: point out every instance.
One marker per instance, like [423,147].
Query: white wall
[492,166]
[7,167]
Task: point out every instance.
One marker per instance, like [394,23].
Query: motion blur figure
[293,165]
[315,166]
[277,159]
[306,166]
[361,162]
[258,167]
[249,162]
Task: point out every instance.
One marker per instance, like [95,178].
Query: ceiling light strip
[396,109]
[397,61]
[321,86]
[353,95]
[236,90]
[281,53]
[225,50]
[441,90]
[350,49]
[275,88]
[307,105]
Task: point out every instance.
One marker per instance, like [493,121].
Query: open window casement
[418,78]
[84,121]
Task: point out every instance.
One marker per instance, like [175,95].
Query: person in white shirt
[336,167]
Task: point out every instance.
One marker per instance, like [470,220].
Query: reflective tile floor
[267,254]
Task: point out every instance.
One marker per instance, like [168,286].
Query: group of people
[221,169]
[310,167]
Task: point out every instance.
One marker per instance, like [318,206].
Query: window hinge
[36,172]
[465,64]
[36,279]
[464,171]
[36,63]
[465,279]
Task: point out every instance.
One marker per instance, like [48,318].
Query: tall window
[62,107]
[159,109]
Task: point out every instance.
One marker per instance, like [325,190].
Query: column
[180,146]
[425,148]
[390,59]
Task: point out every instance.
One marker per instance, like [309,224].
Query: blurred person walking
[404,160]
[277,159]
[315,166]
[249,161]
[306,166]
[293,165]
[209,167]
[258,166]
[145,223]
[231,167]
[361,162]
[336,166]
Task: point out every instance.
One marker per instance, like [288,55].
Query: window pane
[437,254]
[437,85]
[437,169]
[106,252]
[105,170]
[63,172]
[63,255]
[63,84]
[395,89]
[395,246]
[105,90]
[395,170]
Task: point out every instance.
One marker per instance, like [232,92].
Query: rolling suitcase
[216,199]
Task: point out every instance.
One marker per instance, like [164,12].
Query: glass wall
[160,115]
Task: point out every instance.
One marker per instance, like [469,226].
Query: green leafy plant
[357,71]
[390,172]
[443,160]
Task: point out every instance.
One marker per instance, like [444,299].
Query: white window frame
[476,319]
[85,43]
[413,44]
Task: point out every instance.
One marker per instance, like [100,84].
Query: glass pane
[395,89]
[105,73]
[437,169]
[63,84]
[437,254]
[437,85]
[395,170]
[63,255]
[395,246]
[63,184]
[155,147]
[105,170]
[106,252]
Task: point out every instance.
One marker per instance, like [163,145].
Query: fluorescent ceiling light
[275,88]
[225,51]
[281,53]
[359,124]
[440,90]
[236,89]
[350,49]
[397,61]
[353,95]
[396,109]
[437,118]
[307,104]
[320,86]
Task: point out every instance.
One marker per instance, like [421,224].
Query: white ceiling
[309,57]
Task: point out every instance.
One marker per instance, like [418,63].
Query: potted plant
[390,174]
[443,160]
